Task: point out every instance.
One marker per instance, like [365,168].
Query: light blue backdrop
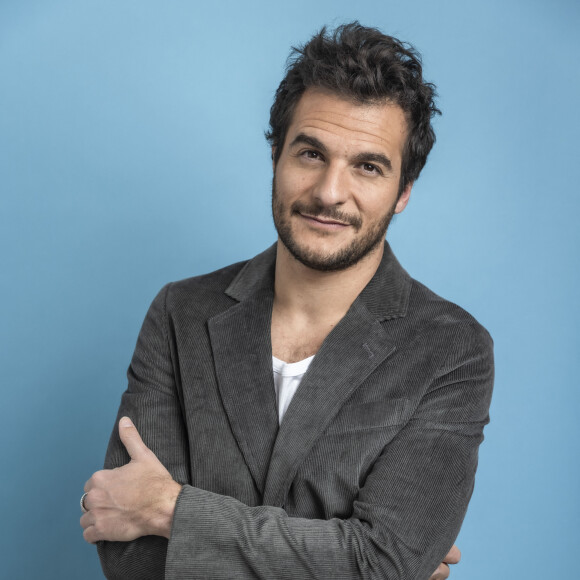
[132,154]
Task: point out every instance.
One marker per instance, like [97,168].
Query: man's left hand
[128,502]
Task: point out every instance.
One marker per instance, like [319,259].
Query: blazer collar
[386,296]
[255,276]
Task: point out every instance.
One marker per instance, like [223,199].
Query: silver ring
[83,508]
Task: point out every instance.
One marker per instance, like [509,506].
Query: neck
[300,291]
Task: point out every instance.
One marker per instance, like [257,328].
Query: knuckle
[98,528]
[96,498]
[98,477]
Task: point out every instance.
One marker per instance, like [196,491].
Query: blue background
[132,154]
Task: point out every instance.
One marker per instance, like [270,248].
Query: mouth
[323,221]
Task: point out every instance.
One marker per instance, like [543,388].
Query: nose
[331,187]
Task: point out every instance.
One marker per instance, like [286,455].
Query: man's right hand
[443,570]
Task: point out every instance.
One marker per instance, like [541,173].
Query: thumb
[131,439]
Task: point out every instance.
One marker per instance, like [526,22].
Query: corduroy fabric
[370,473]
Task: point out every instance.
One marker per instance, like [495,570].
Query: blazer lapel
[241,345]
[355,347]
[350,353]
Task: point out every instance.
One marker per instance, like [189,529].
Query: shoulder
[216,281]
[225,286]
[429,310]
[203,293]
[446,330]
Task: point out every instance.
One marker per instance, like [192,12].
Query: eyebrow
[364,157]
[368,157]
[308,140]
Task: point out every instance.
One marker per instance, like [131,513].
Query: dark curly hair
[364,65]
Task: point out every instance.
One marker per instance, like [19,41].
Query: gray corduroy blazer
[369,474]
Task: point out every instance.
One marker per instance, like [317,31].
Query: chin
[331,261]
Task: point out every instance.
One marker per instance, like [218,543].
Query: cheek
[292,187]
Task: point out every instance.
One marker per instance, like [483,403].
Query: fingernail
[126,422]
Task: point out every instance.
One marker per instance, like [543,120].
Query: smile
[320,221]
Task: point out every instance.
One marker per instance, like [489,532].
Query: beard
[342,259]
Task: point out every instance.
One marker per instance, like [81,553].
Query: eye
[311,154]
[370,168]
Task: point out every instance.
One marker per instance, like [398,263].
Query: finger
[441,573]
[453,556]
[90,535]
[87,520]
[131,439]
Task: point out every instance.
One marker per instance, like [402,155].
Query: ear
[404,198]
[273,156]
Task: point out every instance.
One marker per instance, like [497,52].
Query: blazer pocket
[364,416]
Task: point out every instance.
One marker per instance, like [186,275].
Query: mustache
[331,213]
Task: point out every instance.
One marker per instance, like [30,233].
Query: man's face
[336,182]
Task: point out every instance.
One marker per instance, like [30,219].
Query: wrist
[162,520]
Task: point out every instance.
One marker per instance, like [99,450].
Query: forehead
[335,120]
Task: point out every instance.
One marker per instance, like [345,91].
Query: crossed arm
[139,498]
[405,517]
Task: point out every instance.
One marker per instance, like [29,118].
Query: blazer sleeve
[151,402]
[406,516]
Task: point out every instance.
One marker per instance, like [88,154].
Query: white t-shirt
[287,377]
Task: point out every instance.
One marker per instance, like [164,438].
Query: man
[366,469]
